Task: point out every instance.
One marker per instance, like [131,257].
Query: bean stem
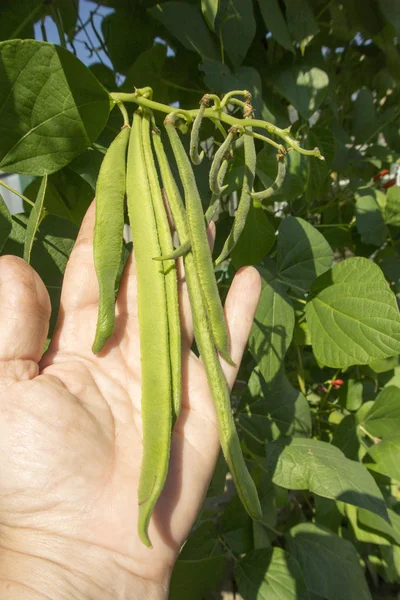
[217,113]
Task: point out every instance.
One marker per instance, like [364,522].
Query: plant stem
[60,29]
[376,440]
[124,112]
[10,189]
[328,391]
[213,113]
[300,373]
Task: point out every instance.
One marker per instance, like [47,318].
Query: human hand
[70,437]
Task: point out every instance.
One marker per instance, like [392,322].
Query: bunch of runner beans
[129,168]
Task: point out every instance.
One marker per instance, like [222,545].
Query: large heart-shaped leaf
[352,315]
[273,325]
[186,23]
[303,254]
[305,87]
[308,464]
[383,419]
[51,107]
[329,564]
[269,575]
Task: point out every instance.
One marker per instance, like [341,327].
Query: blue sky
[85,8]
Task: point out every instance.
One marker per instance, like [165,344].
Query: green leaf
[273,325]
[50,253]
[5,223]
[275,22]
[257,238]
[372,522]
[384,457]
[209,8]
[237,29]
[346,437]
[308,464]
[34,220]
[69,12]
[392,210]
[369,220]
[200,565]
[17,18]
[305,87]
[236,526]
[87,165]
[329,564]
[51,106]
[270,575]
[301,21]
[351,394]
[384,364]
[318,170]
[271,411]
[302,253]
[220,79]
[352,315]
[217,484]
[67,195]
[296,173]
[148,70]
[187,25]
[383,419]
[127,33]
[364,122]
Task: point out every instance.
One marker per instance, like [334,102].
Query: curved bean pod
[219,389]
[194,136]
[171,280]
[277,183]
[153,329]
[245,199]
[199,242]
[108,233]
[220,154]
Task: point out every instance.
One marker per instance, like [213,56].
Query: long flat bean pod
[108,232]
[219,389]
[171,281]
[245,199]
[199,242]
[153,330]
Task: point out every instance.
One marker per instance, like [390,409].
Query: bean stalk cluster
[141,173]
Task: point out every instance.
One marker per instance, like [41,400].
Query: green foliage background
[317,401]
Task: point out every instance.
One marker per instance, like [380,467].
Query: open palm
[70,425]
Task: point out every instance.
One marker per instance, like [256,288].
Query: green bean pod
[175,254]
[196,158]
[199,241]
[215,182]
[219,389]
[156,398]
[171,280]
[209,216]
[264,194]
[245,199]
[108,233]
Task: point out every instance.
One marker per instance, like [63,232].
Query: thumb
[24,311]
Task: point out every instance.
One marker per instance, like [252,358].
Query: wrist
[52,568]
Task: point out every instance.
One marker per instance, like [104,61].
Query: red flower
[381,174]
